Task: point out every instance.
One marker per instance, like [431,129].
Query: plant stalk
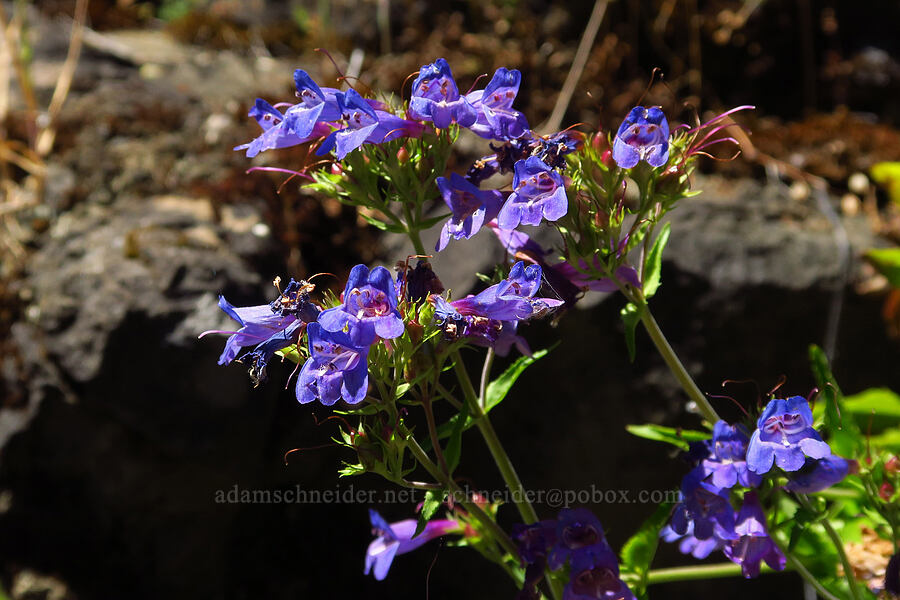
[674,364]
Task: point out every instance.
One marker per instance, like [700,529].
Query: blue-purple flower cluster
[574,537]
[705,519]
[339,339]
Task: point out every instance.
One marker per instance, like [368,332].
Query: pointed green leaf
[431,504]
[843,434]
[653,268]
[639,550]
[630,318]
[497,389]
[670,435]
[454,446]
[887,262]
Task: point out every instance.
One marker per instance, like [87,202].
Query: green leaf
[639,550]
[887,174]
[291,353]
[497,389]
[381,224]
[669,435]
[653,268]
[630,318]
[431,504]
[843,434]
[889,440]
[454,446]
[875,409]
[887,262]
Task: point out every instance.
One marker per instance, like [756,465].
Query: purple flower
[397,538]
[699,549]
[538,192]
[753,544]
[510,300]
[533,543]
[259,324]
[369,309]
[579,535]
[704,507]
[594,578]
[276,131]
[470,206]
[364,124]
[644,134]
[496,117]
[785,436]
[817,475]
[316,105]
[436,98]
[336,368]
[563,277]
[491,317]
[727,457]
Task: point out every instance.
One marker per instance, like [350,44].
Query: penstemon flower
[470,206]
[397,538]
[753,544]
[369,307]
[785,437]
[361,124]
[436,98]
[538,193]
[643,135]
[497,119]
[336,369]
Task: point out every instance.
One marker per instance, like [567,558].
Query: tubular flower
[596,580]
[397,538]
[817,475]
[726,462]
[336,368]
[277,133]
[436,98]
[361,124]
[538,193]
[470,206]
[369,309]
[785,437]
[316,105]
[496,117]
[643,135]
[259,324]
[753,543]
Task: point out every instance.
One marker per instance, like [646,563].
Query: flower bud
[402,154]
[337,169]
[886,491]
[892,466]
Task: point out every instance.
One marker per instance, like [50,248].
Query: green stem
[839,547]
[795,564]
[698,572]
[459,496]
[485,377]
[412,230]
[681,374]
[526,510]
[432,432]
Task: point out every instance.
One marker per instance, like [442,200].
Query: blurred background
[124,212]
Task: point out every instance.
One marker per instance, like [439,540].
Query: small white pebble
[260,230]
[850,205]
[799,190]
[858,183]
